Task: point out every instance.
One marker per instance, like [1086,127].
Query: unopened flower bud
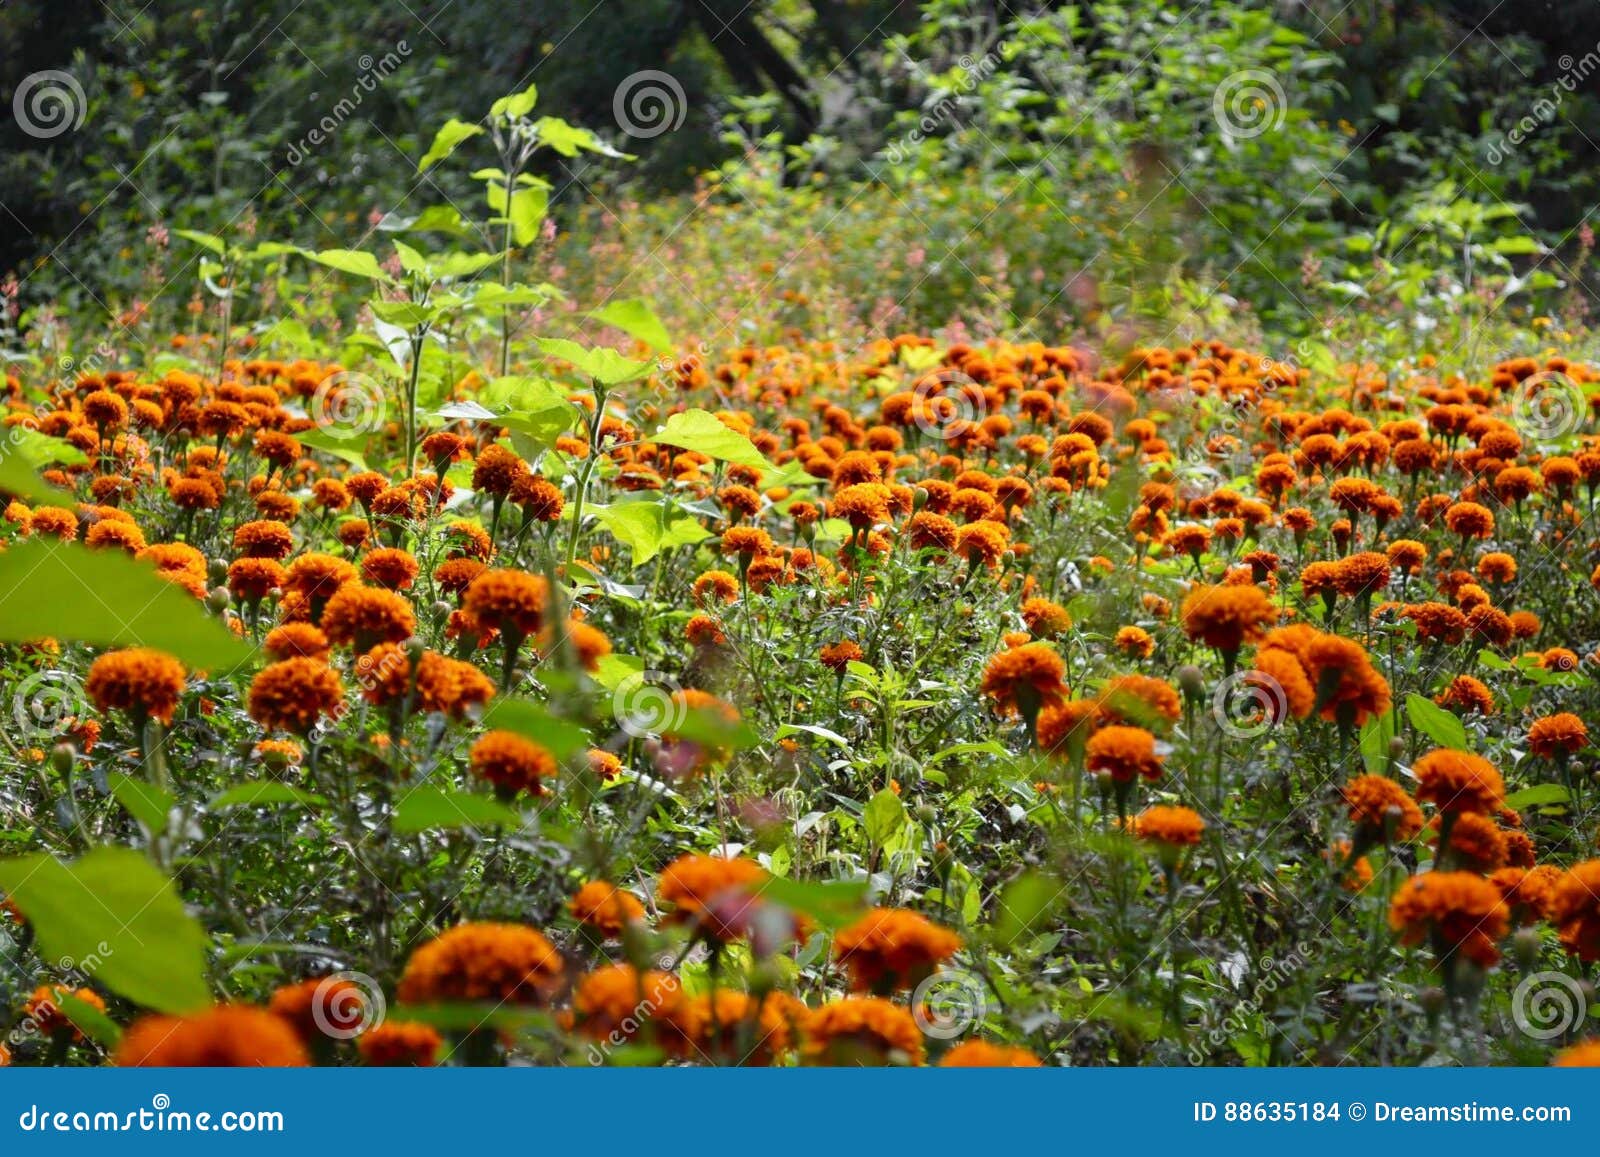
[62,757]
[218,600]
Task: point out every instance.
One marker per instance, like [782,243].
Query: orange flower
[322,1006]
[1530,893]
[1175,827]
[1470,520]
[400,1044]
[891,948]
[391,569]
[511,601]
[981,1054]
[292,694]
[499,963]
[511,762]
[1381,809]
[1227,617]
[1063,727]
[143,682]
[1140,700]
[837,656]
[227,1036]
[1457,781]
[605,908]
[1575,910]
[1458,912]
[362,617]
[618,1003]
[1583,1055]
[1557,736]
[1135,642]
[1123,753]
[1046,619]
[1466,695]
[1024,679]
[1476,843]
[862,1030]
[44,1009]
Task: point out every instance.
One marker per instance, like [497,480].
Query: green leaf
[1023,905]
[405,314]
[516,105]
[1436,722]
[454,266]
[615,670]
[350,448]
[636,319]
[832,737]
[1375,738]
[1540,795]
[832,904]
[113,916]
[205,240]
[146,802]
[40,450]
[529,205]
[429,808]
[356,262]
[89,1020]
[641,526]
[704,433]
[18,477]
[262,793]
[450,136]
[605,366]
[884,817]
[69,592]
[560,737]
[569,140]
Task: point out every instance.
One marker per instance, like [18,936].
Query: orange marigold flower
[1557,736]
[400,1044]
[1046,619]
[1458,781]
[747,541]
[296,641]
[1437,622]
[1024,679]
[981,1054]
[511,601]
[1470,520]
[1227,617]
[499,963]
[605,908]
[892,948]
[511,762]
[362,617]
[1457,912]
[292,694]
[726,1026]
[1575,910]
[1530,893]
[1123,753]
[837,656]
[1135,642]
[1140,700]
[982,543]
[1583,1055]
[1476,843]
[1381,808]
[253,579]
[620,1003]
[717,895]
[1176,827]
[143,682]
[227,1036]
[44,1009]
[392,569]
[862,1030]
[1063,727]
[264,539]
[318,576]
[328,1006]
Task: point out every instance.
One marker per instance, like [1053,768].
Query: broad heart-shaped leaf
[356,262]
[66,591]
[351,449]
[516,105]
[1539,795]
[1437,723]
[113,916]
[704,433]
[405,314]
[569,140]
[883,817]
[560,737]
[262,793]
[641,526]
[427,808]
[449,138]
[529,204]
[636,319]
[21,479]
[605,366]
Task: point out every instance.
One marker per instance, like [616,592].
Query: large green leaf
[427,808]
[449,138]
[356,262]
[560,737]
[1437,723]
[66,591]
[636,319]
[702,432]
[1375,738]
[516,105]
[19,478]
[113,916]
[605,366]
[528,207]
[642,526]
[146,802]
[262,793]
[833,904]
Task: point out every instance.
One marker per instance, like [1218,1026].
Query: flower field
[1034,541]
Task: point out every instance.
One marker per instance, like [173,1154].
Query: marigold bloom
[400,1044]
[861,1030]
[982,543]
[982,1054]
[318,576]
[892,948]
[716,586]
[1458,781]
[392,569]
[1063,727]
[499,963]
[1135,642]
[511,601]
[1457,912]
[292,694]
[143,682]
[837,656]
[1470,520]
[1476,843]
[1575,910]
[726,1026]
[1175,827]
[1227,617]
[717,895]
[1140,700]
[747,541]
[1530,893]
[362,617]
[1583,1055]
[1024,679]
[227,1036]
[1557,736]
[511,762]
[1045,619]
[605,908]
[1381,808]
[322,1006]
[264,539]
[618,1002]
[296,641]
[44,1009]
[1123,753]
[253,579]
